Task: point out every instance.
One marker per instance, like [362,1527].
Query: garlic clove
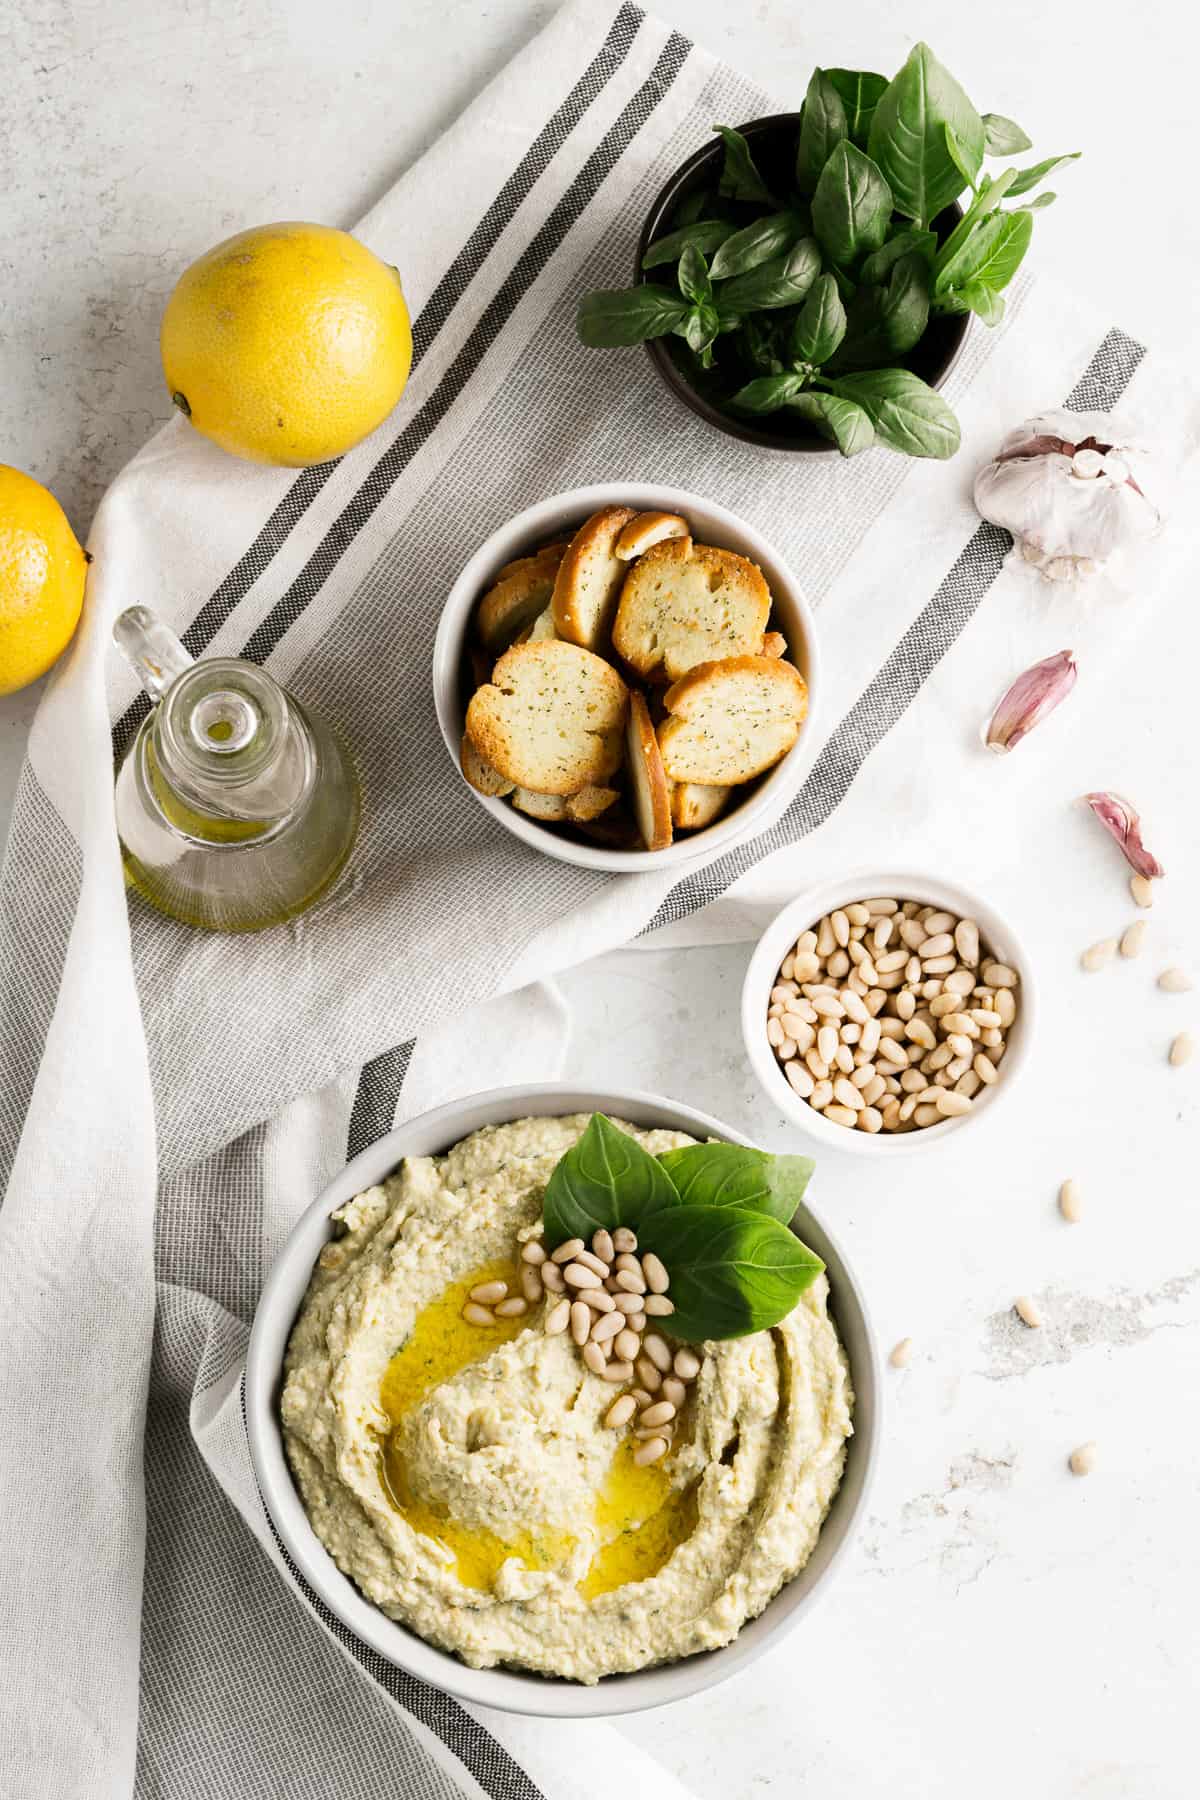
[1087,464]
[1032,697]
[1123,823]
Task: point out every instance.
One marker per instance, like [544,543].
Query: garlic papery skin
[1122,822]
[1032,697]
[1074,489]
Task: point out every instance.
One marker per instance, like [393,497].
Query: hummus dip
[462,1475]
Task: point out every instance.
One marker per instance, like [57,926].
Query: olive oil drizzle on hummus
[640,1517]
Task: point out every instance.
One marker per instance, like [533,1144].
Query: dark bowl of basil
[692,192]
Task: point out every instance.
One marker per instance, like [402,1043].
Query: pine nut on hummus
[468,1477]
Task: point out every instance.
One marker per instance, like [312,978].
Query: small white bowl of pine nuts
[882,1012]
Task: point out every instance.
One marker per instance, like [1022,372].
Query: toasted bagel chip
[684,604]
[651,796]
[588,583]
[729,721]
[551,718]
[649,528]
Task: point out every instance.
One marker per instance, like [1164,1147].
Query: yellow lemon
[287,344]
[42,572]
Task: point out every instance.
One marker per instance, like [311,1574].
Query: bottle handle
[151,649]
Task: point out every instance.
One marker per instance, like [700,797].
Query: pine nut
[531,1284]
[594,1357]
[876,1000]
[627,1303]
[558,1318]
[902,1354]
[576,1276]
[806,943]
[843,1059]
[821,1095]
[624,1240]
[985,1069]
[657,1279]
[1006,1006]
[892,1052]
[659,1306]
[959,981]
[881,907]
[827,1043]
[968,1084]
[941,1004]
[640,1396]
[620,1412]
[1070,1202]
[817,1066]
[627,1344]
[999,975]
[1083,1460]
[631,1283]
[912,933]
[870,1120]
[826,1008]
[958,1067]
[533,1252]
[652,1451]
[787,1050]
[658,1351]
[1132,938]
[674,1391]
[566,1252]
[855,1008]
[1175,981]
[802,1079]
[966,942]
[841,927]
[587,1260]
[851,1034]
[686,1365]
[863,1076]
[603,1246]
[598,1300]
[984,1017]
[658,1414]
[793,1026]
[881,937]
[616,1371]
[991,1038]
[875,1090]
[871,1033]
[1180,1052]
[961,1045]
[805,966]
[951,1104]
[940,965]
[841,1115]
[848,1095]
[839,964]
[512,1308]
[912,971]
[647,1374]
[581,1322]
[940,944]
[891,1116]
[926,1115]
[478,1315]
[488,1292]
[1141,889]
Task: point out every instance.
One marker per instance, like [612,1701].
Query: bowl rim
[511,1690]
[774,790]
[668,370]
[797,916]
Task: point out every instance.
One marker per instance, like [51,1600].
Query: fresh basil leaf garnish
[1003,137]
[861,91]
[606,1179]
[614,316]
[732,1271]
[706,234]
[740,179]
[852,206]
[846,424]
[823,126]
[907,415]
[732,1175]
[908,142]
[820,325]
[755,244]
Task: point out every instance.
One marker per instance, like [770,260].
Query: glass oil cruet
[236,806]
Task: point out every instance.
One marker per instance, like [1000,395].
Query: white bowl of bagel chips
[627,678]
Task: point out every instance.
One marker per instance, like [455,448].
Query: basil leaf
[852,206]
[699,331]
[755,244]
[908,142]
[861,92]
[991,255]
[628,315]
[1046,198]
[767,393]
[1024,179]
[982,300]
[986,201]
[706,234]
[907,415]
[823,126]
[731,1175]
[693,206]
[1002,137]
[955,153]
[841,420]
[820,324]
[740,180]
[759,346]
[606,1179]
[888,321]
[780,281]
[694,284]
[732,1271]
[880,262]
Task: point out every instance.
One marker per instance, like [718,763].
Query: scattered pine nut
[1083,1460]
[594,1357]
[617,1371]
[620,1412]
[1181,1051]
[1098,955]
[1070,1202]
[624,1240]
[651,1451]
[488,1292]
[1133,937]
[686,1365]
[558,1318]
[658,1306]
[1029,1311]
[512,1308]
[1175,981]
[581,1322]
[657,1413]
[475,1314]
[533,1252]
[566,1252]
[1142,890]
[902,1354]
[552,1277]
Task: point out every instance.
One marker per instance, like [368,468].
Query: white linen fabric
[170,1101]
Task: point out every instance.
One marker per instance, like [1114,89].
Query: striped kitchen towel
[170,1101]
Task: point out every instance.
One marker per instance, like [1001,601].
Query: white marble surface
[1003,1626]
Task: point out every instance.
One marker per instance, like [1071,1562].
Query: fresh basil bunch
[808,300]
[716,1214]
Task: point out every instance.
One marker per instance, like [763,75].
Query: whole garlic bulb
[1074,489]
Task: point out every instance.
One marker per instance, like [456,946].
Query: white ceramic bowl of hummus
[753,808]
[511,1688]
[1001,942]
